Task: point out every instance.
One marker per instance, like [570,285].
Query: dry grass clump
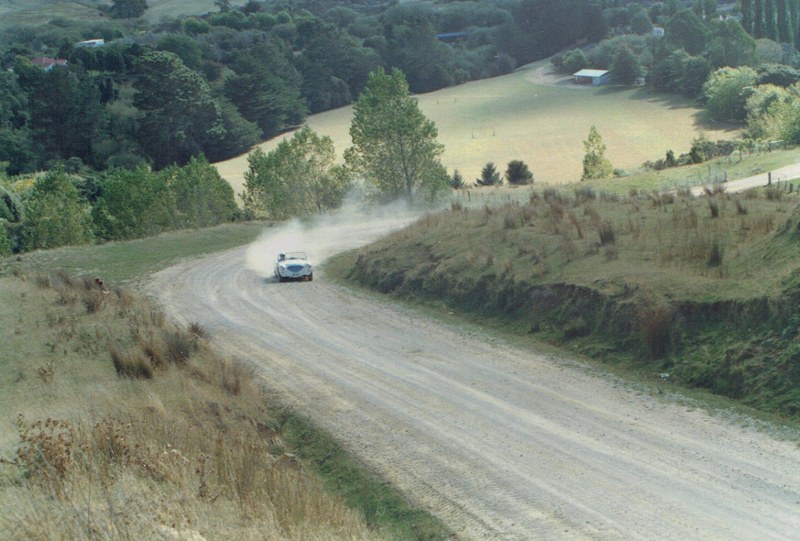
[593,239]
[655,323]
[153,437]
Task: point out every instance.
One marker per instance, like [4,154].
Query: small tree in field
[395,147]
[595,164]
[518,173]
[489,176]
[457,180]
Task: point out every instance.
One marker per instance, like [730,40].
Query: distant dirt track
[500,442]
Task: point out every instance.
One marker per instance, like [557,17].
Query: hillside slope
[702,289]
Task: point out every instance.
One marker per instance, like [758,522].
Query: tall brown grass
[152,437]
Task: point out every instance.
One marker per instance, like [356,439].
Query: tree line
[58,208]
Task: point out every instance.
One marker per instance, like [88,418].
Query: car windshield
[295,255]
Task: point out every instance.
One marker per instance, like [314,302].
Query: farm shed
[591,77]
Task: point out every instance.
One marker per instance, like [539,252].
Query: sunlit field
[35,12]
[531,115]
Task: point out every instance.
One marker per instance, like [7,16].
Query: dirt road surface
[783,174]
[500,442]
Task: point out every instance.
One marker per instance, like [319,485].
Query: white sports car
[293,266]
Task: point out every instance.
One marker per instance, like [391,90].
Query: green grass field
[543,120]
[36,12]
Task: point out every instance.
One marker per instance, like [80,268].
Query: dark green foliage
[413,48]
[685,29]
[181,117]
[574,60]
[625,68]
[128,9]
[457,180]
[489,176]
[641,23]
[730,45]
[778,74]
[518,173]
[265,88]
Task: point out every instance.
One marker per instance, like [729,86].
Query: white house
[591,77]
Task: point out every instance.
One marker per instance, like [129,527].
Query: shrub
[489,176]
[130,364]
[518,173]
[457,180]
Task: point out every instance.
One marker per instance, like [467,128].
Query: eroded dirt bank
[500,442]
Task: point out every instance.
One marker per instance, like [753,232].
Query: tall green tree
[128,9]
[730,45]
[595,163]
[685,29]
[726,92]
[54,214]
[133,203]
[490,176]
[266,88]
[202,197]
[181,117]
[395,147]
[785,34]
[298,178]
[518,173]
[625,67]
[746,7]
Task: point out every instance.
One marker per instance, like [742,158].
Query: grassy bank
[702,289]
[117,424]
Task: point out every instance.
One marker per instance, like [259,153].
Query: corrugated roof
[590,73]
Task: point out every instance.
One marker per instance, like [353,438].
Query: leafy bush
[518,173]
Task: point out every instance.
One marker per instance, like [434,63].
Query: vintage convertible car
[293,266]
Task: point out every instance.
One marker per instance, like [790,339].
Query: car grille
[295,268]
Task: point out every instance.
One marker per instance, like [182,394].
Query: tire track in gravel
[498,441]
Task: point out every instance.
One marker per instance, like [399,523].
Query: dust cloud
[323,236]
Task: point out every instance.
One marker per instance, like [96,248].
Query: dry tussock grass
[584,233]
[174,443]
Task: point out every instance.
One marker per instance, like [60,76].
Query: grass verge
[126,262]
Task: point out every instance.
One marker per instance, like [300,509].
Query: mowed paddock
[535,116]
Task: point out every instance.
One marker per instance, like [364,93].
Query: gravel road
[500,442]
